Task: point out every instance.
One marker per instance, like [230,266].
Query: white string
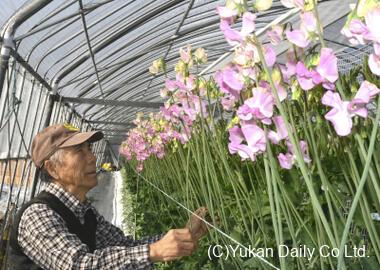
[208,223]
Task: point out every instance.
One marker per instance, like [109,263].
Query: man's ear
[50,168]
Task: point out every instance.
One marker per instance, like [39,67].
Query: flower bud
[262,5]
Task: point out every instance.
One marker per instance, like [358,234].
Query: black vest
[17,260]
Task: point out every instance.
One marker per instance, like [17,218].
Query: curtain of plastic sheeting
[22,105]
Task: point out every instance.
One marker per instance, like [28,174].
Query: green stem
[361,185]
[299,157]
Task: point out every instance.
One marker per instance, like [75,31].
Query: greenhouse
[190,134]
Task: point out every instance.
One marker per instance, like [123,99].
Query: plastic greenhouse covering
[87,62]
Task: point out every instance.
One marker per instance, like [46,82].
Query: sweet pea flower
[288,70]
[246,55]
[374,63]
[171,85]
[281,92]
[275,35]
[339,115]
[260,106]
[298,38]
[229,81]
[200,55]
[235,37]
[366,92]
[226,13]
[254,136]
[305,77]
[326,72]
[228,102]
[269,55]
[236,138]
[303,36]
[282,133]
[356,31]
[308,21]
[342,111]
[286,160]
[328,65]
[372,20]
[303,148]
[185,54]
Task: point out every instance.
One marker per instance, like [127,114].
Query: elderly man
[59,229]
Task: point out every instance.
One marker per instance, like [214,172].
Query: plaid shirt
[44,238]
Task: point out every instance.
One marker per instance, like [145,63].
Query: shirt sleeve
[45,239]
[109,235]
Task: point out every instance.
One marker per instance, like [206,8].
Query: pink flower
[339,115]
[226,14]
[309,23]
[248,24]
[185,54]
[235,37]
[282,133]
[280,89]
[228,103]
[232,36]
[246,54]
[357,27]
[303,148]
[275,35]
[253,135]
[342,111]
[171,85]
[304,77]
[372,20]
[288,70]
[328,65]
[231,78]
[298,37]
[229,81]
[269,55]
[260,106]
[374,63]
[366,92]
[286,160]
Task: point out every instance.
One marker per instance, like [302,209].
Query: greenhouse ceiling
[95,55]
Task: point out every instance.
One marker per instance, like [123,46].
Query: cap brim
[82,137]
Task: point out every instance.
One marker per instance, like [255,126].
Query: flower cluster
[247,90]
[254,85]
[186,101]
[364,27]
[147,138]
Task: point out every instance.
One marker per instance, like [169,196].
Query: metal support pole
[4,58]
[50,106]
[8,31]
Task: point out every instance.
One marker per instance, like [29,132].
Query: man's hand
[174,245]
[197,227]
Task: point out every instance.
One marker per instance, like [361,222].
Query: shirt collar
[77,207]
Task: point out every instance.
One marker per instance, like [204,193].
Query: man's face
[78,167]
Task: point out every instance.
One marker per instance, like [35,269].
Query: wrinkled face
[78,167]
